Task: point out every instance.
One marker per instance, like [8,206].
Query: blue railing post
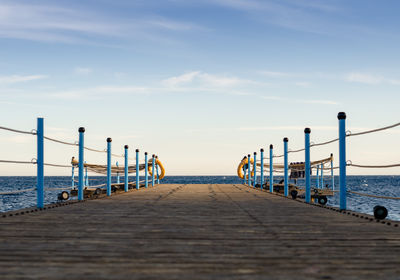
[322,176]
[117,164]
[249,166]
[271,168]
[158,176]
[153,169]
[342,159]
[86,177]
[255,170]
[73,177]
[109,166]
[40,163]
[81,162]
[262,168]
[286,169]
[317,178]
[332,176]
[244,171]
[137,169]
[146,175]
[307,170]
[126,169]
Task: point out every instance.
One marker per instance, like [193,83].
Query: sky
[199,83]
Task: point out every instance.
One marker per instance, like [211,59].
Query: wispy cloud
[303,101]
[202,78]
[82,70]
[20,79]
[371,79]
[57,23]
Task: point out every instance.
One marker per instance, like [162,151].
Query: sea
[388,186]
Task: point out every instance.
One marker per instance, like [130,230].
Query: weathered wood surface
[196,232]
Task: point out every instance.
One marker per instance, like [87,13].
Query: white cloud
[364,78]
[303,101]
[20,79]
[274,74]
[83,71]
[371,79]
[99,92]
[303,84]
[201,79]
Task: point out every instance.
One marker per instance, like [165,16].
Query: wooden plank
[196,232]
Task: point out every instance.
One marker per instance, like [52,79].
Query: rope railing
[32,132]
[373,195]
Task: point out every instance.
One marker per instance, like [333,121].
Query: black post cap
[248,155]
[331,155]
[81,129]
[285,139]
[156,156]
[153,155]
[126,146]
[261,150]
[307,130]
[109,139]
[271,146]
[137,150]
[341,115]
[255,153]
[145,153]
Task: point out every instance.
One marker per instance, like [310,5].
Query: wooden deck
[196,232]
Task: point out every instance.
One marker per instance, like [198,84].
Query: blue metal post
[286,170]
[80,163]
[109,166]
[342,159]
[86,177]
[137,169]
[146,175]
[249,166]
[255,170]
[322,176]
[317,178]
[40,163]
[73,177]
[307,132]
[244,172]
[126,169]
[271,168]
[332,176]
[153,169]
[158,176]
[262,168]
[117,164]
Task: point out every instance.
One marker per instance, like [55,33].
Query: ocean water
[377,185]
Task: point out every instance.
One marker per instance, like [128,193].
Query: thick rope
[374,166]
[19,191]
[373,130]
[18,131]
[59,141]
[17,161]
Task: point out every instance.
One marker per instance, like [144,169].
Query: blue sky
[201,83]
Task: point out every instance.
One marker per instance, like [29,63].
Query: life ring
[240,168]
[158,163]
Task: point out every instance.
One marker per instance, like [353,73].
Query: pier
[196,232]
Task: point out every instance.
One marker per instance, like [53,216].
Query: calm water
[379,185]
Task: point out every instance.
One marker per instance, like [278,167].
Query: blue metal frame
[137,169]
[146,176]
[40,163]
[317,178]
[126,175]
[262,168]
[153,169]
[342,159]
[271,168]
[117,164]
[307,132]
[255,170]
[109,166]
[158,176]
[73,177]
[249,166]
[80,163]
[286,169]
